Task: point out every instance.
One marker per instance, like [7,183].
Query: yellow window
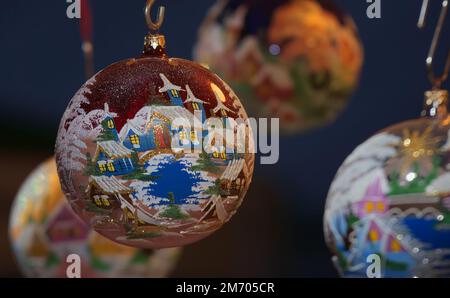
[216,154]
[380,206]
[373,235]
[195,106]
[110,123]
[106,202]
[182,135]
[369,207]
[97,201]
[174,93]
[134,140]
[224,155]
[102,167]
[193,136]
[111,167]
[395,246]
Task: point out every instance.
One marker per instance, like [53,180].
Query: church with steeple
[194,103]
[173,91]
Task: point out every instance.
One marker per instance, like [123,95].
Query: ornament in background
[130,173]
[297,60]
[44,231]
[391,197]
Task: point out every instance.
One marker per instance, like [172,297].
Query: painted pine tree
[139,172]
[216,189]
[418,184]
[91,168]
[107,134]
[156,98]
[173,211]
[204,163]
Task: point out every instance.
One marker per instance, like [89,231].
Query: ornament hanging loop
[148,16]
[436,81]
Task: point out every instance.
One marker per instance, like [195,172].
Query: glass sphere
[136,176]
[297,60]
[44,231]
[391,198]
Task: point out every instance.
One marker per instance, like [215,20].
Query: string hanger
[435,80]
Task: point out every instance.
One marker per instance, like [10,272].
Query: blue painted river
[175,176]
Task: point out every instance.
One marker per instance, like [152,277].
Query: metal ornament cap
[154,46]
[435,103]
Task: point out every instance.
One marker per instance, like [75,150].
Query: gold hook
[148,16]
[435,80]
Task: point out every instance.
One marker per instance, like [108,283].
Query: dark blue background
[41,68]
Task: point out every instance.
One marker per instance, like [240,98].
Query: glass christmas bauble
[389,204]
[297,60]
[144,151]
[44,231]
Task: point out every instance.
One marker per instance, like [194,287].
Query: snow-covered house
[197,134]
[134,137]
[221,109]
[220,145]
[108,192]
[163,121]
[149,130]
[196,104]
[373,202]
[233,178]
[112,158]
[65,226]
[153,128]
[173,91]
[38,246]
[233,181]
[108,123]
[373,235]
[223,112]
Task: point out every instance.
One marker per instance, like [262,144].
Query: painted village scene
[137,187]
[391,197]
[44,231]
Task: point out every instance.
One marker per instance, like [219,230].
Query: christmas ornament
[388,208]
[297,60]
[44,231]
[131,172]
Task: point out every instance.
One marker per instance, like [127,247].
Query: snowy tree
[69,146]
[91,168]
[107,134]
[78,127]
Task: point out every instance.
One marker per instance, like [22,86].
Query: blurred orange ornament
[298,60]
